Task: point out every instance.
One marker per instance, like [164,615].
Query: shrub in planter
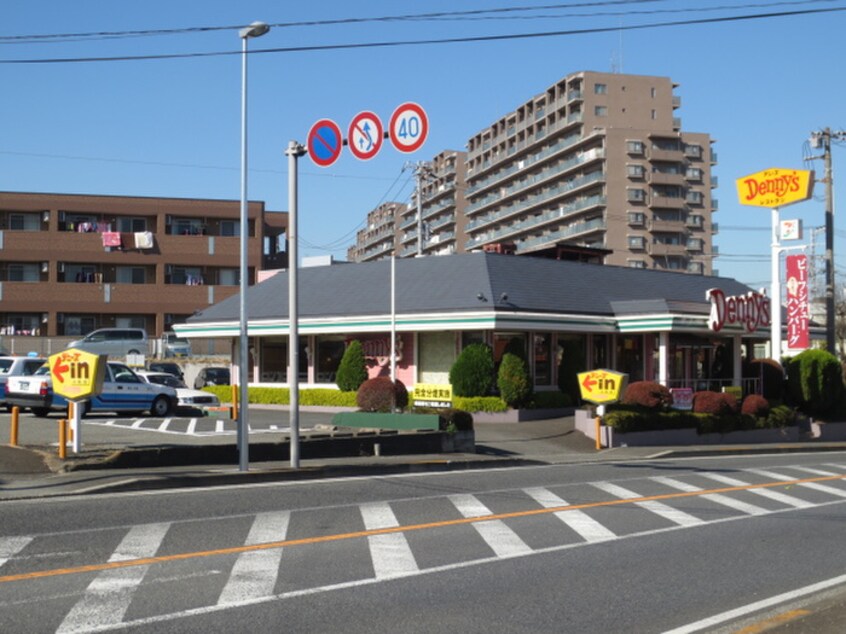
[352,371]
[473,371]
[550,400]
[755,405]
[815,382]
[480,404]
[771,374]
[380,395]
[648,394]
[719,403]
[513,381]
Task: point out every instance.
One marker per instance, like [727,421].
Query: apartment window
[228,277]
[600,111]
[24,222]
[635,170]
[600,89]
[637,242]
[694,197]
[634,147]
[130,275]
[187,227]
[189,275]
[230,227]
[636,195]
[23,273]
[693,151]
[653,91]
[131,224]
[637,264]
[635,218]
[654,114]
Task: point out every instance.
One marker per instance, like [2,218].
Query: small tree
[473,371]
[648,394]
[380,394]
[815,382]
[513,381]
[352,371]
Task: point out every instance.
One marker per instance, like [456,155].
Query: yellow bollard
[63,438]
[13,432]
[234,402]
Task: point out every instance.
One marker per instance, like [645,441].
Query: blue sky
[171,127]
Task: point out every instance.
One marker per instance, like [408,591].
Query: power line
[426,42]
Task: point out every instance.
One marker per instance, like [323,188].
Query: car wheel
[161,406]
[41,411]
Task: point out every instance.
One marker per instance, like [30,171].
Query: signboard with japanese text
[432,395]
[797,302]
[76,374]
[775,187]
[750,311]
[602,386]
[682,398]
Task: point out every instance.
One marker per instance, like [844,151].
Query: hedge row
[627,419]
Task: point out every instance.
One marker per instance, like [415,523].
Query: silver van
[115,342]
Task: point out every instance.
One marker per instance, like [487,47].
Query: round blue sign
[325,142]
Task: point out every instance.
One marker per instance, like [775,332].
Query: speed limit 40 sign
[409,127]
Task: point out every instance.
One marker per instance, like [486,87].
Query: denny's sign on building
[775,187]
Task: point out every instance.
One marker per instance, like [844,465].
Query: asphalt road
[697,545]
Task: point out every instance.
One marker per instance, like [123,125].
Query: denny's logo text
[775,187]
[750,311]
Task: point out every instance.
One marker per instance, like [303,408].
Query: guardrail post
[13,431]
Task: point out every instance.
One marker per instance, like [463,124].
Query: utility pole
[821,139]
[421,170]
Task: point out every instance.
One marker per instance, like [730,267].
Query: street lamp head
[256,29]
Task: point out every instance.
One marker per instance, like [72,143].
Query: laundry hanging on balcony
[144,240]
[111,239]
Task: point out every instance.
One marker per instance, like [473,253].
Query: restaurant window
[470,337]
[630,356]
[542,358]
[330,350]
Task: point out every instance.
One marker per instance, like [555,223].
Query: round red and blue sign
[324,142]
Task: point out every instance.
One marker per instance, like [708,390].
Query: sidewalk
[117,459]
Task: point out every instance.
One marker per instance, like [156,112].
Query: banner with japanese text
[797,302]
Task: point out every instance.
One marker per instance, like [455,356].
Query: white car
[187,398]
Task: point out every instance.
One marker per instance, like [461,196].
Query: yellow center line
[235,550]
[766,624]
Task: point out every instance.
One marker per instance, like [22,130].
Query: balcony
[661,249]
[667,202]
[667,226]
[672,156]
[665,178]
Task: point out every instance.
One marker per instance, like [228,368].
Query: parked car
[212,376]
[166,366]
[115,342]
[17,366]
[187,398]
[123,391]
[175,346]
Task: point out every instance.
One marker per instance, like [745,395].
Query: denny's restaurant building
[682,330]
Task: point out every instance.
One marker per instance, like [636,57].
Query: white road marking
[254,573]
[391,555]
[11,546]
[164,424]
[496,533]
[659,508]
[719,498]
[776,496]
[824,488]
[138,422]
[192,425]
[108,596]
[588,528]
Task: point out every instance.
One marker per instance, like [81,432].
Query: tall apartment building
[70,263]
[596,160]
[378,239]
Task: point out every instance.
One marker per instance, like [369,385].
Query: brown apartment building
[596,160]
[70,264]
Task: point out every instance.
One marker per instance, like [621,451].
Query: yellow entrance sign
[775,187]
[602,386]
[76,374]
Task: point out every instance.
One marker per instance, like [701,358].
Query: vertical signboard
[797,302]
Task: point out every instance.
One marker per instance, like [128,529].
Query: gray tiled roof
[473,281]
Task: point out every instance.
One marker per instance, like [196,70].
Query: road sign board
[325,142]
[602,386]
[365,135]
[77,374]
[409,127]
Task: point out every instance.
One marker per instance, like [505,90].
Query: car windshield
[165,379]
[5,365]
[44,369]
[217,373]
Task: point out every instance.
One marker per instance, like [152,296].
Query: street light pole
[256,29]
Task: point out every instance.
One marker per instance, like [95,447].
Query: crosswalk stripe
[719,498]
[816,471]
[816,486]
[776,496]
[659,508]
[496,533]
[218,427]
[11,546]
[254,573]
[192,425]
[588,528]
[164,424]
[107,597]
[390,554]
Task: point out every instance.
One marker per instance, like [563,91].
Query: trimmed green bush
[648,394]
[629,419]
[550,400]
[513,381]
[380,394]
[480,404]
[815,383]
[473,371]
[326,397]
[352,371]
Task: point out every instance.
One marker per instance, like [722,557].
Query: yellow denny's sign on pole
[602,387]
[775,187]
[76,374]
